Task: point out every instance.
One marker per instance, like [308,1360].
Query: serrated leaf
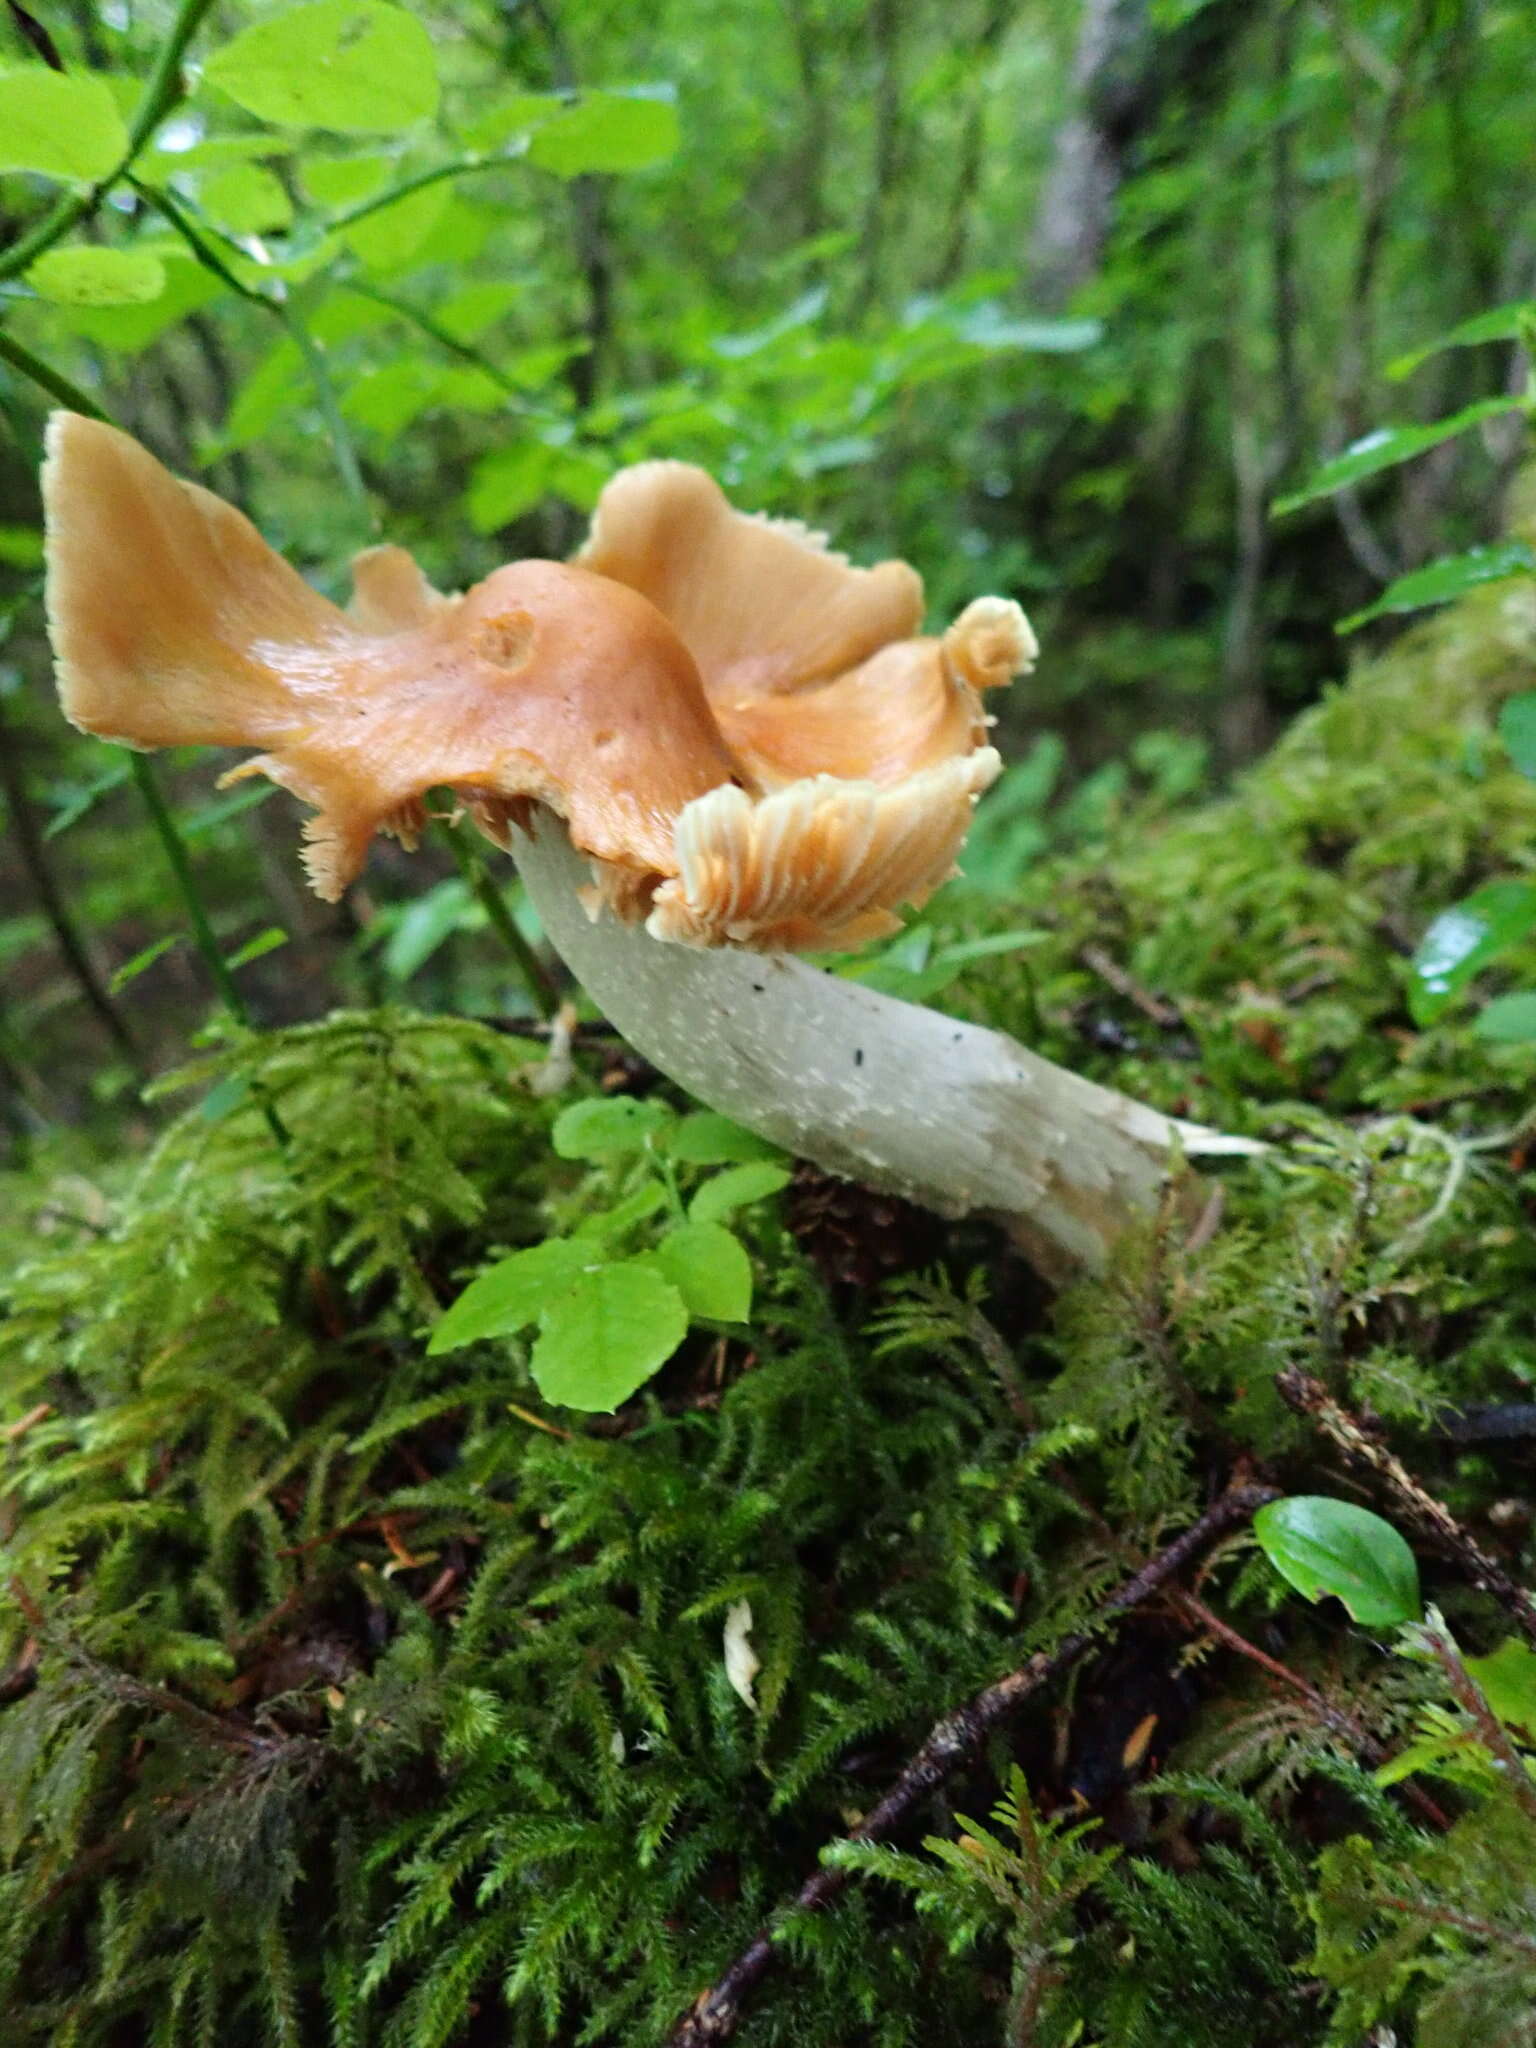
[1517,729]
[84,275]
[1328,1547]
[606,1335]
[62,124]
[356,66]
[608,1128]
[734,1188]
[1507,1020]
[511,1294]
[1387,447]
[605,132]
[705,1138]
[1450,577]
[710,1270]
[1465,939]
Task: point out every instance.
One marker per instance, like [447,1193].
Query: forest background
[1054,300]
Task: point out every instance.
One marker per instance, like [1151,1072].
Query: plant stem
[536,977]
[49,379]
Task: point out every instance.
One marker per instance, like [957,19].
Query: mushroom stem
[948,1114]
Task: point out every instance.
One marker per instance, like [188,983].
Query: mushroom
[709,743]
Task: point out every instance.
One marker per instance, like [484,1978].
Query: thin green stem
[450,344]
[46,377]
[461,167]
[541,989]
[335,426]
[172,212]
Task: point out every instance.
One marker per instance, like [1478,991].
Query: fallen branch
[951,1743]
[1309,1397]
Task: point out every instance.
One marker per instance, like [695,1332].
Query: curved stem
[899,1097]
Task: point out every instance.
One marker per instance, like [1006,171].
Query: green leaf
[607,1128]
[1323,1547]
[507,483]
[605,1337]
[345,180]
[356,66]
[1517,729]
[425,924]
[1506,1678]
[606,131]
[623,1216]
[710,1270]
[705,1138]
[63,124]
[144,958]
[1465,939]
[82,275]
[386,240]
[1507,1020]
[512,1293]
[245,200]
[1387,447]
[1499,323]
[1439,582]
[132,328]
[257,948]
[734,1188]
[21,547]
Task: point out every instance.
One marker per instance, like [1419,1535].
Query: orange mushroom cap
[739,729]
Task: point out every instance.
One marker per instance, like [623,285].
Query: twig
[951,1743]
[1309,1397]
[1108,969]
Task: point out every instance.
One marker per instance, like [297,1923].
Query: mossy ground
[352,1697]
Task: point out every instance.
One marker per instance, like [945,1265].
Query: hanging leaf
[1387,447]
[1465,939]
[356,66]
[1450,577]
[86,276]
[62,124]
[1324,1547]
[606,1335]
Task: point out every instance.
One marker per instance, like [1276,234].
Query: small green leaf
[512,1293]
[710,1270]
[387,239]
[1439,582]
[356,66]
[1387,447]
[85,276]
[63,124]
[1323,1547]
[734,1188]
[1506,1678]
[623,1216]
[425,924]
[21,547]
[1517,729]
[605,131]
[1499,323]
[606,1335]
[344,180]
[144,958]
[132,328]
[705,1138]
[1465,939]
[264,942]
[1507,1020]
[224,1097]
[506,483]
[607,1129]
[245,200]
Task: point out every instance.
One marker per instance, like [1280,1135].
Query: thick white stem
[951,1116]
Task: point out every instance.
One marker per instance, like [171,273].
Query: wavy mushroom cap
[743,733]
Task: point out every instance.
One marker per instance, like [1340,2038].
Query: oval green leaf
[706,1138]
[511,1294]
[606,1335]
[605,131]
[1324,1547]
[1450,577]
[734,1188]
[710,1270]
[1506,1677]
[1517,729]
[85,276]
[358,67]
[245,199]
[60,124]
[1507,1020]
[1387,447]
[606,1129]
[1465,939]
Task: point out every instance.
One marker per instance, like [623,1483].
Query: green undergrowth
[355,1694]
